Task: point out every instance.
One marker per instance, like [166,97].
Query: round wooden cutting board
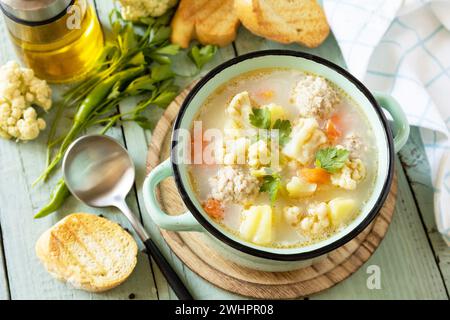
[210,265]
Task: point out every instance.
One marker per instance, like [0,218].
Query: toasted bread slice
[183,23]
[87,251]
[285,21]
[216,23]
[208,21]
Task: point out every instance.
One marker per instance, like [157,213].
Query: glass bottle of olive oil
[59,39]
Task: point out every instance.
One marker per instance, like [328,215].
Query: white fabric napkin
[403,48]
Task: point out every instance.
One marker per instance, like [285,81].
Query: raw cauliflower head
[135,9]
[20,92]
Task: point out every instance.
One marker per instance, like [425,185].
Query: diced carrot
[315,175]
[336,118]
[213,208]
[266,94]
[332,131]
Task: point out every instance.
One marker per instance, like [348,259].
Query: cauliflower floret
[19,91]
[135,9]
[306,138]
[232,184]
[350,175]
[239,111]
[232,150]
[30,125]
[315,97]
[316,220]
[258,154]
[292,215]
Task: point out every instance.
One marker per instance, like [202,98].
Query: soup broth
[316,173]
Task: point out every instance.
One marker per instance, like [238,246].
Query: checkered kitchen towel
[403,47]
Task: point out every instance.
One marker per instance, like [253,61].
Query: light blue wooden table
[413,259]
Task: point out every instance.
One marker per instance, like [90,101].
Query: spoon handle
[171,276]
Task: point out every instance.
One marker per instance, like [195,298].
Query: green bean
[57,198]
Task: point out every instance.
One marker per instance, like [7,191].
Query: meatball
[315,97]
[352,142]
[233,184]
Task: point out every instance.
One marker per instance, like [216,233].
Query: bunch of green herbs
[137,61]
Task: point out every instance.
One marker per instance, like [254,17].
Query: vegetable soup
[295,161]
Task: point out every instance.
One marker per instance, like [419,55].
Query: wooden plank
[20,164]
[4,285]
[417,170]
[405,247]
[5,51]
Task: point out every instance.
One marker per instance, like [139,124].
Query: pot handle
[182,222]
[391,105]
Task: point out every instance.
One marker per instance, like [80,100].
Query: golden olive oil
[62,49]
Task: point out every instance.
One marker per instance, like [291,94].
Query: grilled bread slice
[216,23]
[208,21]
[285,21]
[183,23]
[87,251]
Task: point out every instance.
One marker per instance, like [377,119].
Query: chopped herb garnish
[331,159]
[260,118]
[285,128]
[271,184]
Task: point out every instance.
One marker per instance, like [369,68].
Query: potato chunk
[256,224]
[298,188]
[276,112]
[341,210]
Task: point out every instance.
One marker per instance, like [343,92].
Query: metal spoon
[99,172]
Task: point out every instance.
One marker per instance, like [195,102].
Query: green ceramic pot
[249,254]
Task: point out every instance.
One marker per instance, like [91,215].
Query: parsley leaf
[260,118]
[331,159]
[202,55]
[285,128]
[160,72]
[171,50]
[271,184]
